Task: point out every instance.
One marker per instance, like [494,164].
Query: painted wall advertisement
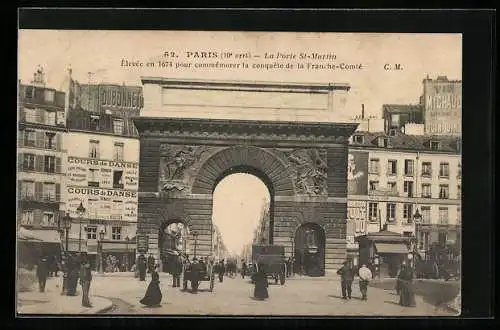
[356,220]
[102,173]
[357,173]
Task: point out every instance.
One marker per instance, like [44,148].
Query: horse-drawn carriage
[196,273]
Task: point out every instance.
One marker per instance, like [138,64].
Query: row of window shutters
[39,163]
[38,139]
[39,193]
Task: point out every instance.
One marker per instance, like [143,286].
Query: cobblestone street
[300,296]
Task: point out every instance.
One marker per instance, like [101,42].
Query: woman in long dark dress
[153,294]
[407,296]
[261,284]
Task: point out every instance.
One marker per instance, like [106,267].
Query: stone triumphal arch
[182,159]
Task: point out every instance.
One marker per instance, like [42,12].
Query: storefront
[383,251]
[32,244]
[117,255]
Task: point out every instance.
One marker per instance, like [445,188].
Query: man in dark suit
[176,272]
[42,271]
[346,273]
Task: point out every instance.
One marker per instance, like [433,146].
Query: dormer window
[435,145]
[383,142]
[358,138]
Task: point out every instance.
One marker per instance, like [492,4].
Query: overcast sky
[238,199]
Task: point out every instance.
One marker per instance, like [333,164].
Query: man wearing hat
[365,275]
[346,277]
[195,274]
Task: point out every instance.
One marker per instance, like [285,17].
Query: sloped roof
[409,142]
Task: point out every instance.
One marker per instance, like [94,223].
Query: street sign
[142,243]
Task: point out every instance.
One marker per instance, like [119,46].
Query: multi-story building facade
[41,177]
[391,177]
[442,103]
[396,116]
[102,174]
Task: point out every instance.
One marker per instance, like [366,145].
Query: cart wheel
[211,284]
[282,278]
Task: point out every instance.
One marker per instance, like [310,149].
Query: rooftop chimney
[362,111]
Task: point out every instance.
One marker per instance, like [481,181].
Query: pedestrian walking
[221,269]
[151,263]
[365,275]
[176,272]
[153,295]
[42,271]
[73,274]
[85,279]
[399,279]
[407,295]
[196,269]
[347,276]
[243,268]
[260,280]
[142,267]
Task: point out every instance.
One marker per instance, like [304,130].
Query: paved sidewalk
[52,302]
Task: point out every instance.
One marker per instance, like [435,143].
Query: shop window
[29,162]
[29,138]
[409,167]
[116,233]
[373,211]
[27,217]
[49,164]
[48,219]
[50,141]
[91,232]
[93,149]
[444,191]
[423,242]
[427,169]
[444,170]
[118,151]
[392,167]
[118,179]
[391,212]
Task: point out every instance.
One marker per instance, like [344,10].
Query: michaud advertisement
[357,173]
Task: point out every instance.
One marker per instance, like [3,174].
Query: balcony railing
[41,197]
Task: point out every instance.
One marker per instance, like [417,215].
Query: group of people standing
[77,269]
[404,283]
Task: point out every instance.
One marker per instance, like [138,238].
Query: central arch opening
[241,214]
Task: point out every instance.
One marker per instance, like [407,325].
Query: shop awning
[395,248]
[42,236]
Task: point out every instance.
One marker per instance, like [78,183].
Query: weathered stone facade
[302,164]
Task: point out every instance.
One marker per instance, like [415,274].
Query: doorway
[172,241]
[310,250]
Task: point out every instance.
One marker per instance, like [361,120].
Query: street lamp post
[67,226]
[125,261]
[417,218]
[99,248]
[81,211]
[195,235]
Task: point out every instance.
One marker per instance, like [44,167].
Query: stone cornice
[243,129]
[241,84]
